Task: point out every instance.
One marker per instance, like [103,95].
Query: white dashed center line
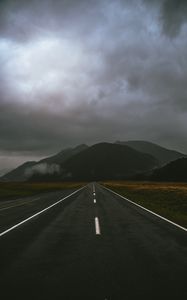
[97,226]
[94,200]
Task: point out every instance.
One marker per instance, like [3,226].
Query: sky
[80,71]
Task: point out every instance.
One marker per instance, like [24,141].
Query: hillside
[5,171]
[18,174]
[162,154]
[48,166]
[63,155]
[120,160]
[174,171]
[107,161]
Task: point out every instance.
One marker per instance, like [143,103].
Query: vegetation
[13,190]
[166,199]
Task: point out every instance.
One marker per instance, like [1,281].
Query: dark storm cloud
[173,14]
[86,71]
[22,20]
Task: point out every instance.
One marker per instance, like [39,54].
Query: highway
[89,244]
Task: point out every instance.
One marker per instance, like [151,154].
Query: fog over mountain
[119,160]
[81,71]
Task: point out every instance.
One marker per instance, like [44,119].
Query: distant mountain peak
[101,160]
[49,163]
[163,155]
[108,161]
[81,146]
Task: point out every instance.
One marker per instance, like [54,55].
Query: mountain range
[174,171]
[119,160]
[162,154]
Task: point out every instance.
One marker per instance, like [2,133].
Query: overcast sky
[80,71]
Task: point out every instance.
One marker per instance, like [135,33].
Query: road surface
[90,245]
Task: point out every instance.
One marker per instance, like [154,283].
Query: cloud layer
[88,71]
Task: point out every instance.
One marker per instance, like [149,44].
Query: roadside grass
[167,199]
[14,190]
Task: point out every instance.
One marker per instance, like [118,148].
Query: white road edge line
[97,227]
[150,211]
[38,213]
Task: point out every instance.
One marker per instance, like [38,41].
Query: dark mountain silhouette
[104,161]
[63,155]
[48,166]
[120,160]
[108,161]
[162,154]
[18,174]
[5,171]
[174,171]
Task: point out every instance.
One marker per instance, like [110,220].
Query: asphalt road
[89,246]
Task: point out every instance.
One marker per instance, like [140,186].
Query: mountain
[49,165]
[174,171]
[119,160]
[18,174]
[4,171]
[63,155]
[162,154]
[107,161]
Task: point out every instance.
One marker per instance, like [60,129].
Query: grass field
[13,190]
[166,199]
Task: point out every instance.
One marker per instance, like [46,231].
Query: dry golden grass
[12,190]
[149,185]
[166,198]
